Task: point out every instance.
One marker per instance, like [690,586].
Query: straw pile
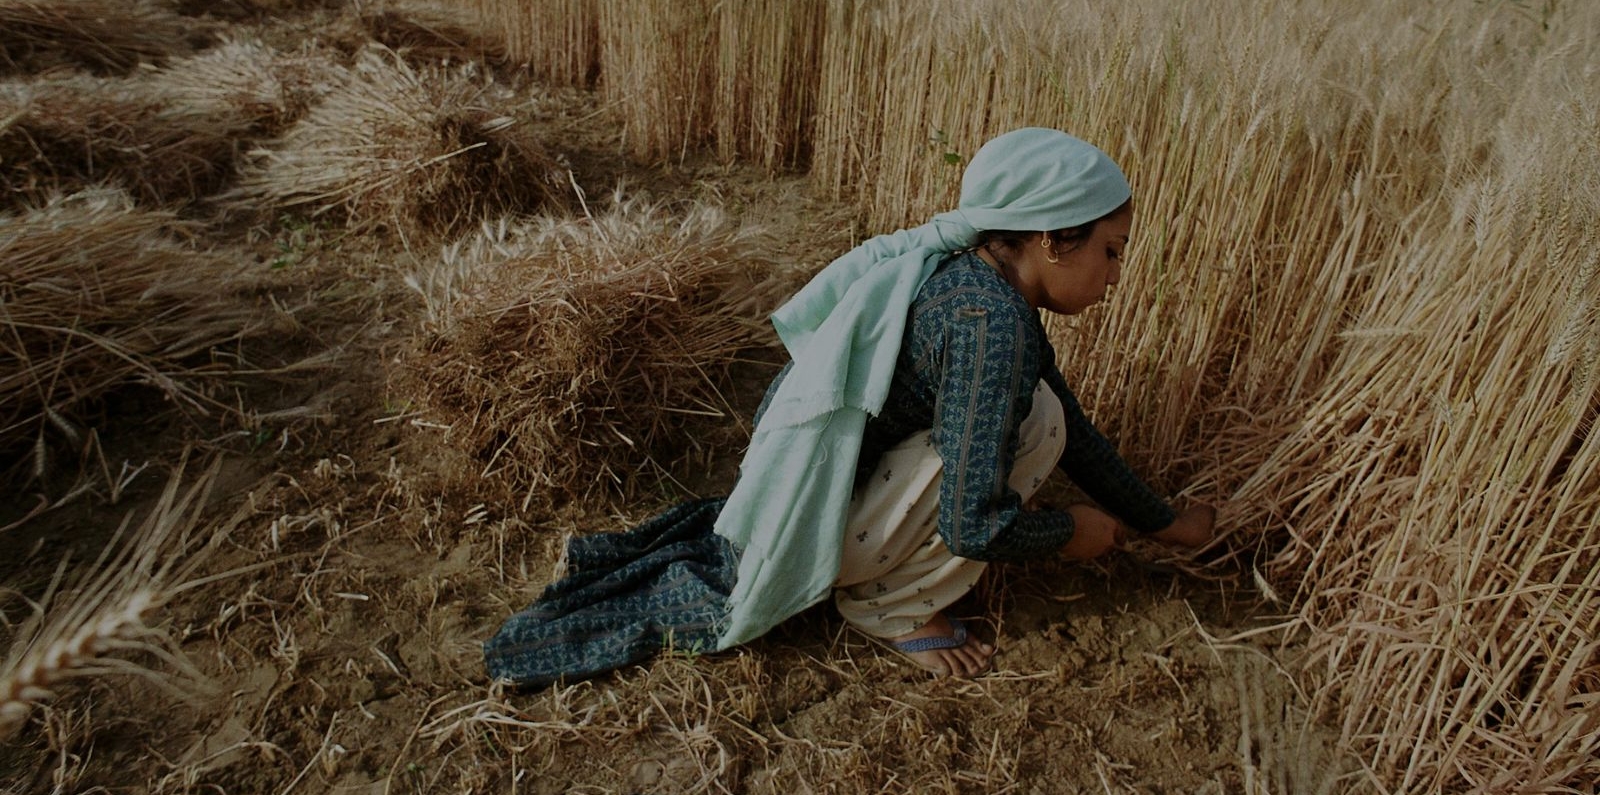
[576,352]
[415,152]
[103,36]
[67,133]
[261,90]
[95,296]
[1363,279]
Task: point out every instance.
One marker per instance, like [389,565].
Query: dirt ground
[368,562]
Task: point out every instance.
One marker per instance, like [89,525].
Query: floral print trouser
[896,572]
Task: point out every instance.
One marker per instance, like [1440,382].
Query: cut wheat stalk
[101,623]
[263,89]
[60,134]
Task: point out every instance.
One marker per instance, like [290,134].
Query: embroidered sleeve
[989,369]
[1094,464]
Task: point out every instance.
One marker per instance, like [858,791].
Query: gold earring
[1049,253]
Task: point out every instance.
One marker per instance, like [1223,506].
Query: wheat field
[1362,313]
[324,331]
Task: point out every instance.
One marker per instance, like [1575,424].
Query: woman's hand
[1095,533]
[1194,528]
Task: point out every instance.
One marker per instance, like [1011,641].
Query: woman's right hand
[1094,533]
[1194,528]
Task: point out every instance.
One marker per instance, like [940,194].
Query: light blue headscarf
[843,329]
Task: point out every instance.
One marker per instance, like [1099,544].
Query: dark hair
[1071,237]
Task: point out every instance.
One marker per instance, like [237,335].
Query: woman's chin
[1074,308]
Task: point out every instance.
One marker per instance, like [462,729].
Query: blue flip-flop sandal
[957,639]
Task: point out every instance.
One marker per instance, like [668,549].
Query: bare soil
[350,661]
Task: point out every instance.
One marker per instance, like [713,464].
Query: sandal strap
[956,639]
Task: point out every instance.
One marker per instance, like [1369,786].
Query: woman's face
[1081,276]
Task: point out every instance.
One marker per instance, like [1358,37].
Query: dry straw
[169,135]
[764,108]
[262,89]
[576,352]
[416,152]
[97,296]
[103,622]
[737,74]
[657,63]
[1358,310]
[104,36]
[66,133]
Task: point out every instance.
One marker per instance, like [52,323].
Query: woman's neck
[1007,271]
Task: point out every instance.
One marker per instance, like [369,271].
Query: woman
[893,456]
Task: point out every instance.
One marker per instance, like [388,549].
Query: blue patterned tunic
[973,352]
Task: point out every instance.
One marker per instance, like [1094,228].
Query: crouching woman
[895,455]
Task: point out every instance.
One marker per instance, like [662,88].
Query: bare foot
[950,650]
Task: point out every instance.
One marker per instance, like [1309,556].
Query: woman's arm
[1094,464]
[989,365]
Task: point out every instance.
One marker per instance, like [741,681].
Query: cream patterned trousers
[896,572]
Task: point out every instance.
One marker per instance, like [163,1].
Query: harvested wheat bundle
[262,90]
[96,295]
[418,152]
[101,624]
[569,354]
[431,34]
[63,134]
[104,36]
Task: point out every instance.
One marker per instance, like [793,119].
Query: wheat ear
[101,623]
